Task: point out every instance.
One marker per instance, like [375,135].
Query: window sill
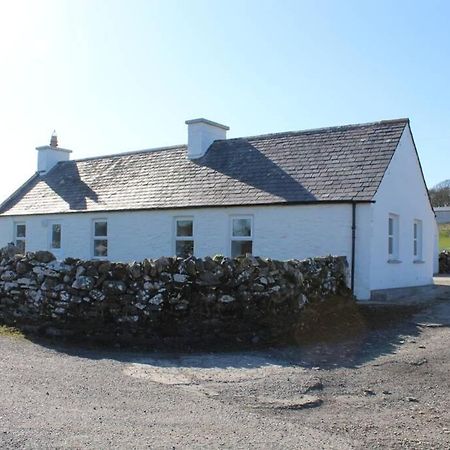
[418,261]
[394,261]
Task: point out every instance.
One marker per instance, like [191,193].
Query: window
[184,237]
[100,238]
[241,236]
[55,238]
[393,237]
[417,240]
[20,235]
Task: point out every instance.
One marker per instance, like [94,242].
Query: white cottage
[442,214]
[355,190]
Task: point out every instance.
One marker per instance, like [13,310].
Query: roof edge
[166,208]
[132,152]
[17,191]
[421,168]
[404,120]
[407,124]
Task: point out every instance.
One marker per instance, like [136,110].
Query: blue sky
[116,75]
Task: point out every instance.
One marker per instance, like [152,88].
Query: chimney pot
[50,155]
[54,139]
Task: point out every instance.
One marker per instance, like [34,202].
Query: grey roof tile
[329,164]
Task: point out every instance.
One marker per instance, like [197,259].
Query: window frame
[99,238]
[240,238]
[417,240]
[177,238]
[395,236]
[50,236]
[20,238]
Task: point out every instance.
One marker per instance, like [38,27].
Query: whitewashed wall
[402,192]
[280,232]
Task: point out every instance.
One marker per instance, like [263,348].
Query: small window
[100,238]
[241,236]
[56,230]
[417,240]
[393,237]
[20,235]
[184,237]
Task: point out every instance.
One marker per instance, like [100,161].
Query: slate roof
[343,163]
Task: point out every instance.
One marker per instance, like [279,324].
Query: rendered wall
[280,232]
[402,192]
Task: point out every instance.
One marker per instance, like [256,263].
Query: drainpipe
[352,280]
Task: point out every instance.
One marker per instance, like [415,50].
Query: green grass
[11,332]
[444,236]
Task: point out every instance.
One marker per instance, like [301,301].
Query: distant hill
[442,185]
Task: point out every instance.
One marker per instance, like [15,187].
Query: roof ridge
[132,152]
[321,129]
[255,137]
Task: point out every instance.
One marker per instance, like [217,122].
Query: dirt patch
[293,403]
[387,387]
[198,368]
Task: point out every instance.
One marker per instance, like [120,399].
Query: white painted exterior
[201,134]
[280,232]
[402,192]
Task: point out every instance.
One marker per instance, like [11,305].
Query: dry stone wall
[196,300]
[444,262]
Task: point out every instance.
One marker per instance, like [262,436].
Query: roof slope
[328,164]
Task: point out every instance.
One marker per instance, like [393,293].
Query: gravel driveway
[387,389]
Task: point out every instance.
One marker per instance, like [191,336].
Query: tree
[440,196]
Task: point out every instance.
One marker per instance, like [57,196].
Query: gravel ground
[386,388]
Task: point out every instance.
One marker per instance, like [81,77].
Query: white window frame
[22,239]
[99,238]
[177,238]
[417,240]
[395,237]
[240,238]
[50,237]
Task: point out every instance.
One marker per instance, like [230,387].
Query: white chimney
[201,134]
[49,155]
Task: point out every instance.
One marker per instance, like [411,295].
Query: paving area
[442,280]
[439,289]
[387,387]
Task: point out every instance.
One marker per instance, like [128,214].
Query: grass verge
[444,236]
[10,332]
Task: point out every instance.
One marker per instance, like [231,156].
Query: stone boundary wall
[195,300]
[444,261]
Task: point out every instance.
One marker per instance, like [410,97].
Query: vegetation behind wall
[444,236]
